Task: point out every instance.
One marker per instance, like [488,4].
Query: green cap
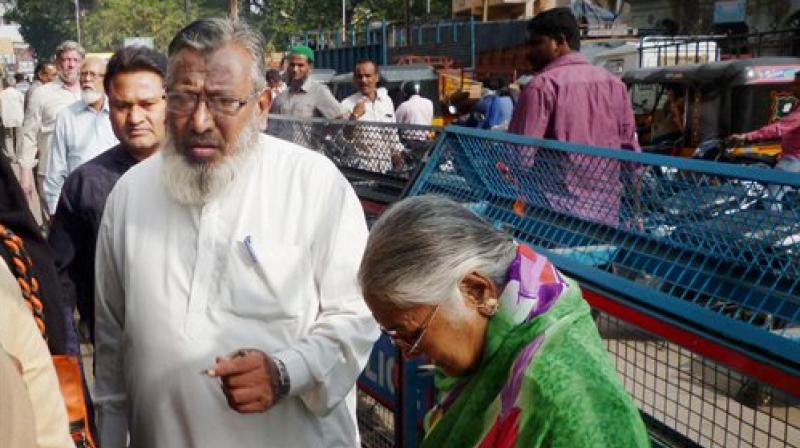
[302,50]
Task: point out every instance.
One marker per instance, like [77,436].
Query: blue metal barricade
[691,267]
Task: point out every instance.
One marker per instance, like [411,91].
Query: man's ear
[479,292]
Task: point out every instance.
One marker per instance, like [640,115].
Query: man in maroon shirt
[571,100]
[787,130]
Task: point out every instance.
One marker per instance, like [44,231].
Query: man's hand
[738,138]
[26,182]
[249,380]
[359,110]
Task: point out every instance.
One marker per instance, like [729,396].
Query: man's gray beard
[69,77]
[90,96]
[193,183]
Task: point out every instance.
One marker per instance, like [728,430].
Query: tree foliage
[107,25]
[44,23]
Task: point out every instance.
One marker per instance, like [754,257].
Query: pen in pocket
[251,251]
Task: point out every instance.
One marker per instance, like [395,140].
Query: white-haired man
[82,131]
[41,112]
[226,272]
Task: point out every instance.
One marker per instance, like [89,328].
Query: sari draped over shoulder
[545,378]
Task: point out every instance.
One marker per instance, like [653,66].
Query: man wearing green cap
[305,98]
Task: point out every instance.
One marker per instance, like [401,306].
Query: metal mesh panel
[708,245]
[700,399]
[387,149]
[375,422]
[688,230]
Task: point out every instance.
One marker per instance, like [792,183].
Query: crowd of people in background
[217,271]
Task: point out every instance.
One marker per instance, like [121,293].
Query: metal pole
[408,22]
[187,6]
[344,25]
[78,18]
[234,8]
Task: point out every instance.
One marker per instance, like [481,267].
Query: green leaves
[106,23]
[109,23]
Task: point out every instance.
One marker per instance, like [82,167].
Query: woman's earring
[489,307]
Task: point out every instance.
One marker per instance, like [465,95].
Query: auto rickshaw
[716,100]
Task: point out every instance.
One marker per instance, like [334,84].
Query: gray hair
[70,45]
[207,35]
[421,248]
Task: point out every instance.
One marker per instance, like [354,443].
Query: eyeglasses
[402,344]
[185,103]
[91,75]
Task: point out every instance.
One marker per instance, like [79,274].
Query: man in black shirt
[134,83]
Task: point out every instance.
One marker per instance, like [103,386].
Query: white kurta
[177,287]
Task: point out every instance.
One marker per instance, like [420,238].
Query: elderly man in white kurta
[227,310]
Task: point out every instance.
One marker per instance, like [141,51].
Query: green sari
[545,379]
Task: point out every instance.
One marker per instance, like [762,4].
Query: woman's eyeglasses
[411,347]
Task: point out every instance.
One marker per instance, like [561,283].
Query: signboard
[138,42]
[730,11]
[379,378]
[772,74]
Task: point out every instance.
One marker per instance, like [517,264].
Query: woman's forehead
[391,316]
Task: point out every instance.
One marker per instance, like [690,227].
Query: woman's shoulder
[573,385]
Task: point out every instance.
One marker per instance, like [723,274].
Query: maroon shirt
[573,101]
[787,130]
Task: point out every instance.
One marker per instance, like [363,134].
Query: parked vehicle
[715,100]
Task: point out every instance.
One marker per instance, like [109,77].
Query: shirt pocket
[269,280]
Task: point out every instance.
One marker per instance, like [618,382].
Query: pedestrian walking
[134,83]
[228,312]
[573,101]
[82,131]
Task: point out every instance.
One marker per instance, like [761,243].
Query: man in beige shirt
[40,117]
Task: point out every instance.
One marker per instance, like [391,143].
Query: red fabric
[504,432]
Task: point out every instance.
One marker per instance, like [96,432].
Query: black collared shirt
[73,231]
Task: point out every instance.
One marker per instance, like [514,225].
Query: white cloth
[416,110]
[380,110]
[12,107]
[40,121]
[21,339]
[375,145]
[81,134]
[177,286]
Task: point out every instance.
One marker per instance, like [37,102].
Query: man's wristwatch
[283,383]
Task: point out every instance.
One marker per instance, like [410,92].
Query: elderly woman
[520,361]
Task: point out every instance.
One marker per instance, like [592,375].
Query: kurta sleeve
[57,169]
[324,366]
[109,325]
[327,105]
[30,130]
